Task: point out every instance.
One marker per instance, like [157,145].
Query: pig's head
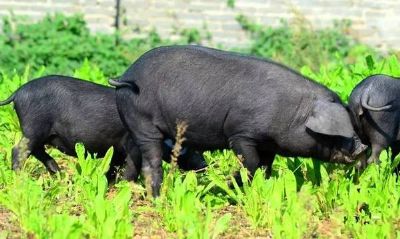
[336,139]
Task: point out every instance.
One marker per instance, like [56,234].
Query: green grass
[304,198]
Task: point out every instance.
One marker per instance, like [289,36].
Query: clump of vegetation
[62,43]
[230,3]
[298,44]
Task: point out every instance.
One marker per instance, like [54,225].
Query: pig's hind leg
[35,135]
[151,165]
[20,152]
[133,165]
[46,159]
[27,147]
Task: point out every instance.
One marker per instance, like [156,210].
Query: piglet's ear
[330,118]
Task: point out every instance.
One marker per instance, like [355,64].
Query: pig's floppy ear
[330,118]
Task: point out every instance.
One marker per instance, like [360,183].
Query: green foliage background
[304,198]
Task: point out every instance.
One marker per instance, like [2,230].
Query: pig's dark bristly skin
[256,107]
[62,111]
[374,106]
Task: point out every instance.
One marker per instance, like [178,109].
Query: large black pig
[374,104]
[62,111]
[256,107]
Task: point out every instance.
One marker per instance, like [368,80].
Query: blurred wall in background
[375,22]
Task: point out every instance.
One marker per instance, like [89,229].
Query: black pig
[374,105]
[256,107]
[62,111]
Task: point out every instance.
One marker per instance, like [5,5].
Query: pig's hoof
[16,166]
[53,167]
